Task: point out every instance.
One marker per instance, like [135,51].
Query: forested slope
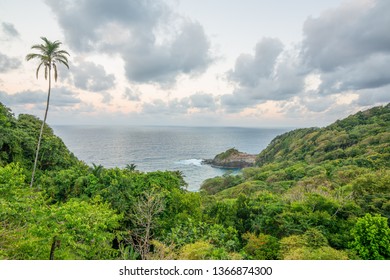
[313,194]
[18,141]
[362,138]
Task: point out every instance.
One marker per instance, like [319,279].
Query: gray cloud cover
[136,30]
[9,29]
[92,77]
[347,47]
[250,69]
[347,34]
[272,73]
[8,63]
[132,95]
[203,101]
[60,97]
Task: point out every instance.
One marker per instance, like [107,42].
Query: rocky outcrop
[232,158]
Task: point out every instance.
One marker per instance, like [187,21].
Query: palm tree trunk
[41,132]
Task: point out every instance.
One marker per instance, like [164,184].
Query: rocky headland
[233,159]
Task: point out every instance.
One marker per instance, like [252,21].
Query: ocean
[163,148]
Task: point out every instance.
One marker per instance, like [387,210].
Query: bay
[154,148]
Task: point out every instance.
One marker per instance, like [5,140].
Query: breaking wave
[192,161]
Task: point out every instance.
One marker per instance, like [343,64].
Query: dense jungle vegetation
[316,193]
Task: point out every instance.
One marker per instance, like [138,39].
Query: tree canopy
[318,193]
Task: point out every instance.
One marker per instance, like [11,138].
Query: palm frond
[64,62]
[55,72]
[41,48]
[60,56]
[63,52]
[32,56]
[39,66]
[49,55]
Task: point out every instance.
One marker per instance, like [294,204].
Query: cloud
[8,63]
[369,73]
[9,30]
[156,46]
[250,69]
[64,97]
[60,97]
[347,48]
[92,77]
[202,101]
[375,96]
[131,95]
[351,32]
[84,22]
[7,33]
[22,98]
[187,53]
[171,107]
[272,73]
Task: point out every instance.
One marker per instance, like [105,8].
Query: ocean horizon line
[176,126]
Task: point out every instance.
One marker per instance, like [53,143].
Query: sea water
[163,148]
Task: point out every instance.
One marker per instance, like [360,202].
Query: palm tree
[131,167]
[49,55]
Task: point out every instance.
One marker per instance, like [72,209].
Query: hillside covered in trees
[316,193]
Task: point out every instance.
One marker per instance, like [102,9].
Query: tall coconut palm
[49,56]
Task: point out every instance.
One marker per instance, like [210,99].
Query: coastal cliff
[232,158]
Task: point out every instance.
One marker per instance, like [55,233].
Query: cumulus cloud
[132,95]
[369,73]
[8,63]
[133,29]
[188,53]
[272,73]
[84,21]
[202,101]
[171,107]
[9,29]
[92,77]
[249,69]
[375,96]
[22,98]
[349,33]
[60,97]
[347,48]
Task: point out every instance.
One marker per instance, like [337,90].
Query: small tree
[371,237]
[49,56]
[261,247]
[143,216]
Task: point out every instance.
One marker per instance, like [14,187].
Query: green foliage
[371,238]
[312,245]
[16,201]
[355,137]
[372,192]
[199,250]
[314,194]
[261,247]
[18,141]
[228,153]
[84,230]
[217,184]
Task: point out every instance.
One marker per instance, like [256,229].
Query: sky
[252,63]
